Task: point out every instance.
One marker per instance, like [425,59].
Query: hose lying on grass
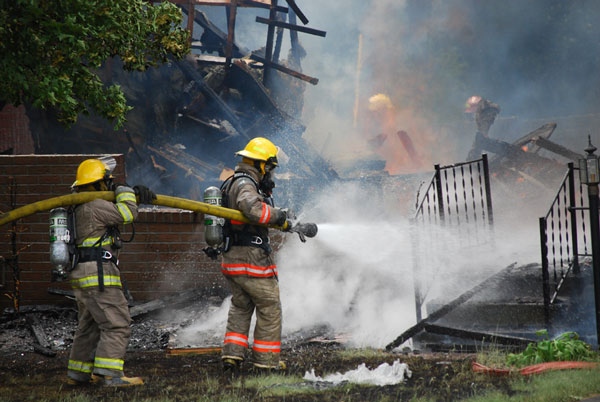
[535,368]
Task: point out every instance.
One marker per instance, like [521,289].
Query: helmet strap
[100,185]
[259,165]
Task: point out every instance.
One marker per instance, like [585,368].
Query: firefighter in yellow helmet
[248,263]
[103,330]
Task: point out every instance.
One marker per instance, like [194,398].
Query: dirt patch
[186,377]
[25,373]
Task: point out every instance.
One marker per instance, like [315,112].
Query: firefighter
[485,113]
[249,265]
[103,328]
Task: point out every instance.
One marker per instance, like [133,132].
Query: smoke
[533,58]
[358,274]
[357,277]
[536,59]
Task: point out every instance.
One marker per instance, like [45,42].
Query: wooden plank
[544,131]
[43,346]
[286,70]
[297,11]
[281,24]
[158,304]
[557,149]
[194,351]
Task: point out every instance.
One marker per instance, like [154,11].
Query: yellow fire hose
[163,200]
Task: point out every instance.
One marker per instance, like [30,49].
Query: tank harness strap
[244,238]
[99,255]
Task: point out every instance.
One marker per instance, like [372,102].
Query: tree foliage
[51,50]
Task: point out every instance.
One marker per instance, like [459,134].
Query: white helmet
[471,104]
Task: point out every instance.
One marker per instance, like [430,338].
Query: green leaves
[49,51]
[566,347]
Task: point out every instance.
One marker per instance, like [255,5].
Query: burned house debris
[190,116]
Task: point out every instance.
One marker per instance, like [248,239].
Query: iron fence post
[573,215]
[595,230]
[545,273]
[488,190]
[440,193]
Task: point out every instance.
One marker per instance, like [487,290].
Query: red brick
[164,258]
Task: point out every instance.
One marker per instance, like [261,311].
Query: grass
[557,386]
[196,378]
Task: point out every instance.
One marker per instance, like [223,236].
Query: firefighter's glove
[144,194]
[286,221]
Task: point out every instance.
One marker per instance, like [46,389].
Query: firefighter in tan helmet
[103,330]
[485,113]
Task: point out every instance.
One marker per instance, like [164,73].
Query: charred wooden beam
[193,351]
[62,292]
[241,3]
[297,11]
[293,27]
[213,32]
[286,70]
[191,165]
[231,17]
[544,131]
[557,149]
[171,301]
[43,346]
[477,336]
[189,70]
[509,151]
[269,46]
[243,80]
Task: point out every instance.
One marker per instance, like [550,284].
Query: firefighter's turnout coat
[250,269]
[103,329]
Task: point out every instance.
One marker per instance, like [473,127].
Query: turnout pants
[251,294]
[103,328]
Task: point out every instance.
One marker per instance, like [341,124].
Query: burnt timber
[189,117]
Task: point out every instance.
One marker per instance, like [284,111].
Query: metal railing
[458,193]
[563,233]
[457,203]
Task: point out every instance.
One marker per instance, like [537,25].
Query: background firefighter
[485,113]
[248,265]
[383,136]
[103,330]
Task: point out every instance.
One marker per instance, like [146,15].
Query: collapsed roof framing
[271,54]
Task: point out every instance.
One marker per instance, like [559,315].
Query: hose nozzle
[305,230]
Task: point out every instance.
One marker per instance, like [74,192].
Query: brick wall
[165,256]
[15,137]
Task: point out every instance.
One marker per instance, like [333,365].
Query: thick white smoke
[356,276]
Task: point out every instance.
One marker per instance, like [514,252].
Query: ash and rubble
[151,331]
[59,327]
[48,329]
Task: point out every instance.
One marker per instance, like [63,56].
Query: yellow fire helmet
[260,149]
[379,102]
[91,171]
